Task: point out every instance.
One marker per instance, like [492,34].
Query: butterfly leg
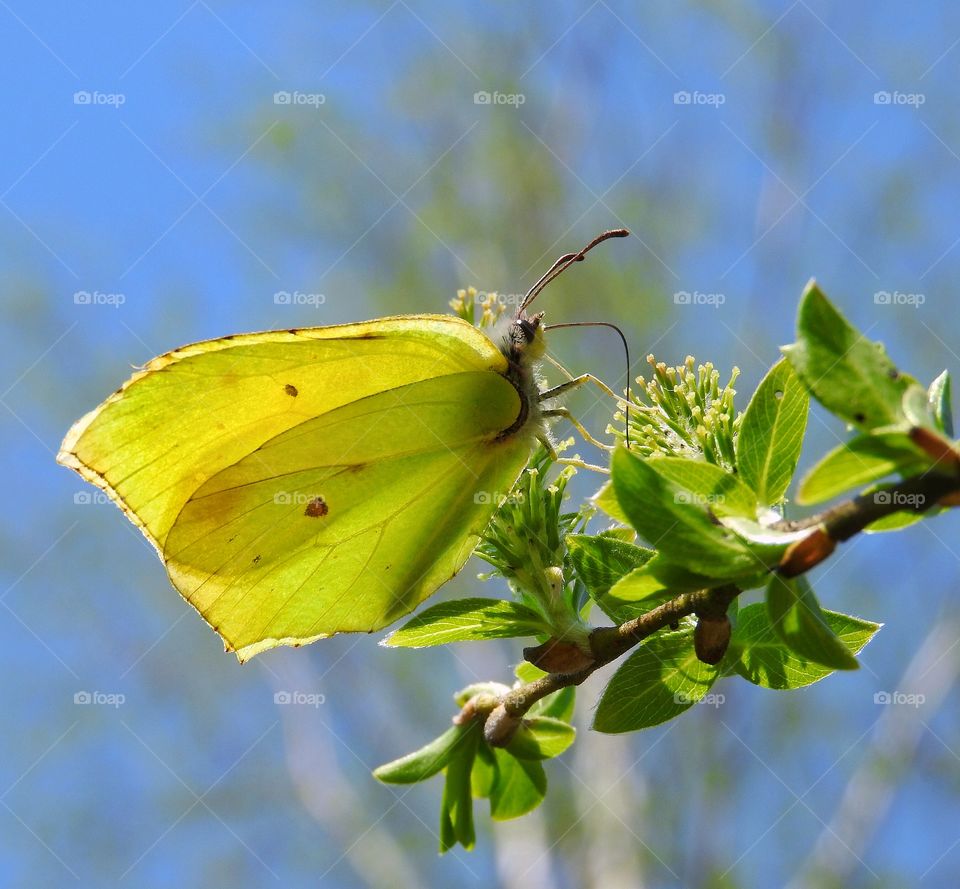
[563,412]
[575,383]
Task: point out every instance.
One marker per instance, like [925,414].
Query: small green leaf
[859,462]
[798,620]
[672,518]
[896,521]
[519,788]
[850,375]
[768,544]
[771,433]
[624,535]
[484,774]
[559,705]
[540,737]
[940,407]
[660,680]
[456,807]
[759,655]
[916,407]
[646,587]
[423,763]
[601,561]
[464,620]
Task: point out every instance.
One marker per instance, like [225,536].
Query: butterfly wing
[303,483]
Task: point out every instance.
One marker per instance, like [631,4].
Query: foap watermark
[692,497]
[293,498]
[99,699]
[95,97]
[299,298]
[296,97]
[299,698]
[509,300]
[484,97]
[686,97]
[498,497]
[98,298]
[899,298]
[899,498]
[88,498]
[900,698]
[711,699]
[698,298]
[886,97]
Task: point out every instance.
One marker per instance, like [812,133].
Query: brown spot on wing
[316,508]
[291,390]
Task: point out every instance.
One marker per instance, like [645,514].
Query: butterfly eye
[528,329]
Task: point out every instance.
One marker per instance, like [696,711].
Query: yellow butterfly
[301,483]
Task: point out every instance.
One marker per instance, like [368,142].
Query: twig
[836,524]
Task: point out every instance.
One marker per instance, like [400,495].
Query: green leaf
[464,620]
[798,620]
[456,807]
[896,521]
[423,763]
[771,433]
[601,561]
[670,517]
[850,375]
[559,705]
[624,535]
[939,398]
[519,788]
[859,462]
[606,499]
[660,680]
[916,407]
[540,737]
[648,586]
[484,774]
[709,485]
[757,653]
[768,544]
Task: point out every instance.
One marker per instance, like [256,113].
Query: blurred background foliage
[199,199]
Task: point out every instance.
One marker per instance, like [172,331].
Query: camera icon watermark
[98,298]
[698,298]
[686,97]
[295,97]
[95,97]
[299,298]
[886,97]
[898,298]
[484,97]
[299,698]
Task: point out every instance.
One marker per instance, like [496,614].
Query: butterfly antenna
[626,352]
[565,261]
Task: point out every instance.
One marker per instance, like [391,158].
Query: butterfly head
[526,340]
